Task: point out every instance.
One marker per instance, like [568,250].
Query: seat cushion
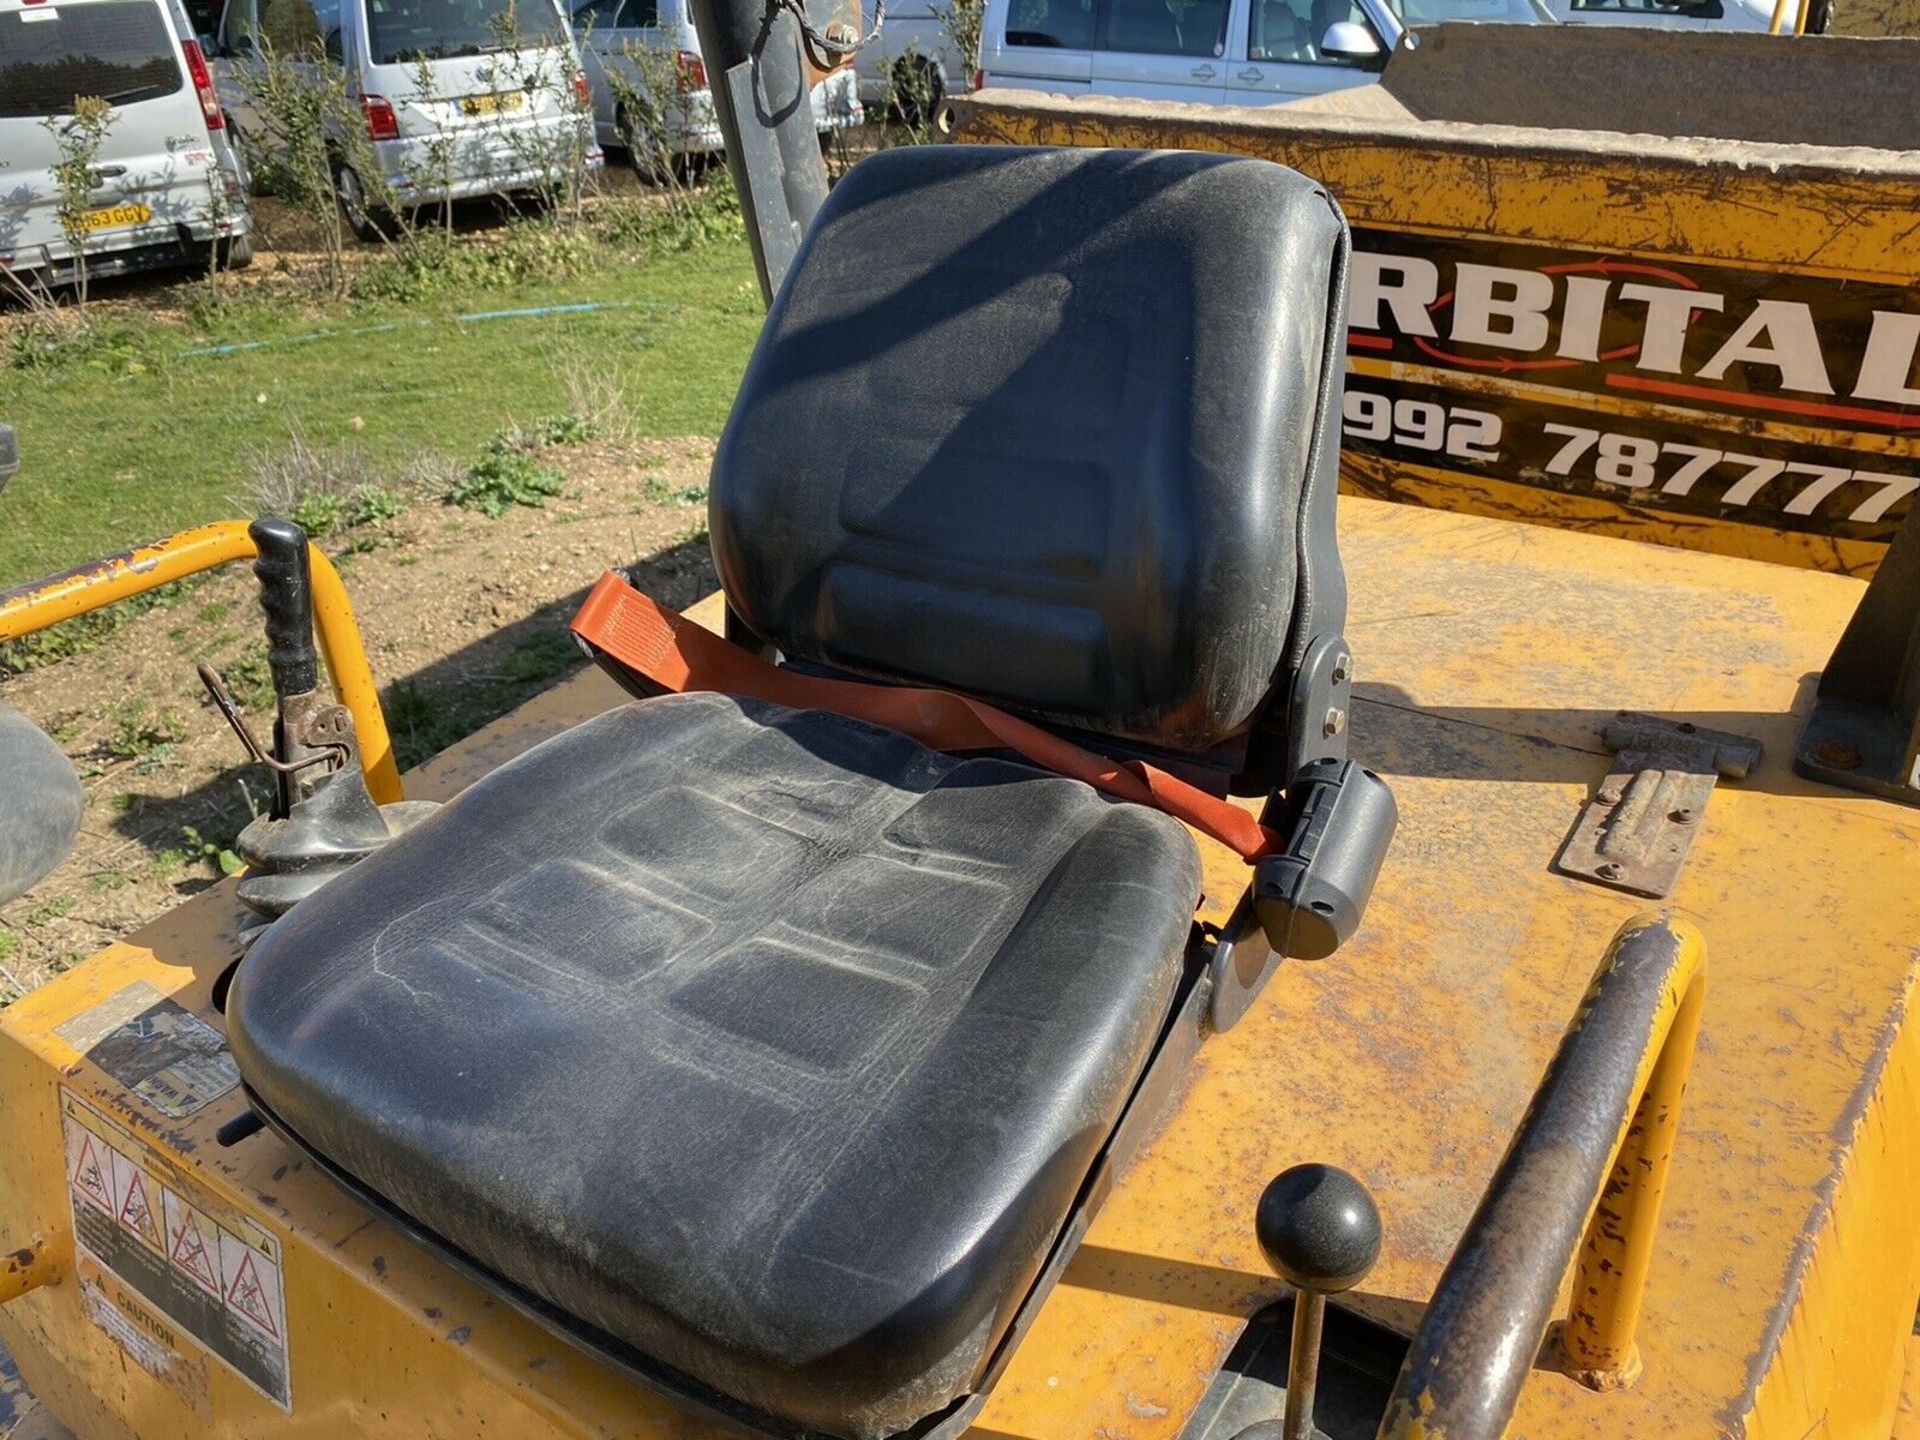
[768,1043]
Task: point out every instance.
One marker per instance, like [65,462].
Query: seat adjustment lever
[1338,818]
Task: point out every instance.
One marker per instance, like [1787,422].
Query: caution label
[210,1272]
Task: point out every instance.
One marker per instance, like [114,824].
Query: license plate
[115,217]
[501,104]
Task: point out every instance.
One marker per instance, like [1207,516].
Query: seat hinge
[1634,834]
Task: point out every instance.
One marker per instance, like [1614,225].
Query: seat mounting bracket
[1634,834]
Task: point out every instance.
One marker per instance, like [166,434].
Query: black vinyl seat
[819,1006]
[767,1051]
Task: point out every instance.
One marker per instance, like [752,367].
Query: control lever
[322,819]
[286,594]
[1320,1231]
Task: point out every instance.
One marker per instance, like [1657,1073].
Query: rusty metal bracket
[1634,834]
[1864,732]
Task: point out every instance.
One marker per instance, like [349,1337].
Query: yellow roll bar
[34,1265]
[1779,21]
[134,572]
[1580,1184]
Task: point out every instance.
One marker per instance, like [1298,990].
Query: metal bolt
[1342,666]
[1608,796]
[1608,870]
[1838,753]
[1335,722]
[1684,815]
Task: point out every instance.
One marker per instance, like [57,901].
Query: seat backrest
[1279,34]
[1056,428]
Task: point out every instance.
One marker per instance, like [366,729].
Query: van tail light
[979,80]
[580,90]
[691,70]
[203,85]
[382,123]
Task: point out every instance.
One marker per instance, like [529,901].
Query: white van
[1211,52]
[460,97]
[167,190]
[618,36]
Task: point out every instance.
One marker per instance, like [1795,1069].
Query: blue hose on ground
[533,312]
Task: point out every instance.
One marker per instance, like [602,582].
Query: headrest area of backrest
[1039,425]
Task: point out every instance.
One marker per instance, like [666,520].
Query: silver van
[460,98]
[649,43]
[167,187]
[1212,52]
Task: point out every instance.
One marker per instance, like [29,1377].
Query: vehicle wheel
[643,150]
[918,89]
[361,218]
[236,252]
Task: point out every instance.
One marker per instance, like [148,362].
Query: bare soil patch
[463,618]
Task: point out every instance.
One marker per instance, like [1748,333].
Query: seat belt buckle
[1339,818]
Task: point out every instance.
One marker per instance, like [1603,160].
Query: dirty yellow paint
[1780,1294]
[26,1268]
[1906,1417]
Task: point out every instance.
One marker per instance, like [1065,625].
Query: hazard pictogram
[190,1253]
[249,1300]
[89,1179]
[135,1213]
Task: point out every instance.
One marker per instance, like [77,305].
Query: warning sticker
[135,1210]
[207,1271]
[146,1336]
[193,1244]
[167,1056]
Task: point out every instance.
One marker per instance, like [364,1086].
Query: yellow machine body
[1495,636]
[1781,1293]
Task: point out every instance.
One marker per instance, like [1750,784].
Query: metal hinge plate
[1635,832]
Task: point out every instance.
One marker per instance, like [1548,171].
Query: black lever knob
[1320,1231]
[286,594]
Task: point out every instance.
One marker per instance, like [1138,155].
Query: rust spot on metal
[93,569]
[1839,754]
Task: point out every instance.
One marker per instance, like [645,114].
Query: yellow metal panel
[1488,655]
[1906,1419]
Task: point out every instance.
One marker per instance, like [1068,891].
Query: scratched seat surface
[767,1043]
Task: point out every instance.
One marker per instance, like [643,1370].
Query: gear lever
[1320,1231]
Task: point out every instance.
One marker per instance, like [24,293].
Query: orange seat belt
[674,653]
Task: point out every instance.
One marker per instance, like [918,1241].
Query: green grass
[130,441]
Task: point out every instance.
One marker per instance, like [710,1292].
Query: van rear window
[402,32]
[120,51]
